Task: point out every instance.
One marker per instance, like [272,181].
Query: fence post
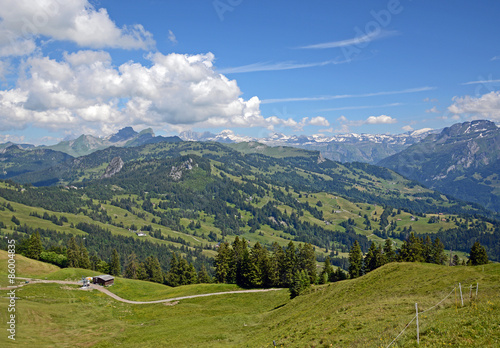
[470,293]
[418,334]
[461,298]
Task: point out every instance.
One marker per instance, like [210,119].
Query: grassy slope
[372,310]
[366,312]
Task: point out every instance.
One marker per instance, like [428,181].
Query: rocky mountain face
[344,148]
[126,137]
[113,168]
[463,160]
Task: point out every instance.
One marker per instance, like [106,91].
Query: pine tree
[438,256]
[114,265]
[388,252]
[290,264]
[172,277]
[35,247]
[203,276]
[94,261]
[355,261]
[73,253]
[152,269]
[84,261]
[326,272]
[478,255]
[300,283]
[222,263]
[131,266]
[306,260]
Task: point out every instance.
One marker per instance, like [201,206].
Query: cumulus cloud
[346,124]
[67,20]
[407,128]
[382,119]
[319,121]
[85,89]
[486,106]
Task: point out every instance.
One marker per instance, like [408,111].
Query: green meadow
[365,312]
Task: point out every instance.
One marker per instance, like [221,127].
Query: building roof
[105,277]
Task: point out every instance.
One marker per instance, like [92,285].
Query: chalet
[104,280]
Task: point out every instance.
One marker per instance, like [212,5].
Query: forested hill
[186,198]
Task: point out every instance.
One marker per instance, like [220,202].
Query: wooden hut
[104,280]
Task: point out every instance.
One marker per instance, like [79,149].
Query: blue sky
[255,67]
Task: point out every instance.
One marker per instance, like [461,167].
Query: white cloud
[481,82]
[319,121]
[433,110]
[359,40]
[5,138]
[344,96]
[66,20]
[495,58]
[85,90]
[407,128]
[172,38]
[382,119]
[346,124]
[266,66]
[486,106]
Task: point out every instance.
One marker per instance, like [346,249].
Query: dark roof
[105,277]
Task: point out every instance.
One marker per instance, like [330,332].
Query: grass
[366,312]
[372,310]
[25,267]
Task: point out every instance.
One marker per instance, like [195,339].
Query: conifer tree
[355,261]
[114,266]
[203,276]
[222,263]
[438,256]
[300,283]
[35,247]
[326,272]
[84,261]
[388,252]
[478,255]
[73,253]
[152,269]
[131,266]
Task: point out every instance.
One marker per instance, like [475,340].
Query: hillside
[188,197]
[462,161]
[367,311]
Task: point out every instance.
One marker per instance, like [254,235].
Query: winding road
[118,298]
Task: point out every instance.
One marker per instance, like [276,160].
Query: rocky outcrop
[177,171]
[113,168]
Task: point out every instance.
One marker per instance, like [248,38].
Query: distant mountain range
[463,161]
[369,148]
[126,137]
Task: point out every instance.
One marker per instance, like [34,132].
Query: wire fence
[437,304]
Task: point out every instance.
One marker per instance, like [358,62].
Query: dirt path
[118,298]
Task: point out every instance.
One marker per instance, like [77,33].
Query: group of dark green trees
[414,249]
[257,267]
[75,254]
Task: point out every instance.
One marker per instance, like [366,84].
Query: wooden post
[461,298]
[470,294]
[418,334]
